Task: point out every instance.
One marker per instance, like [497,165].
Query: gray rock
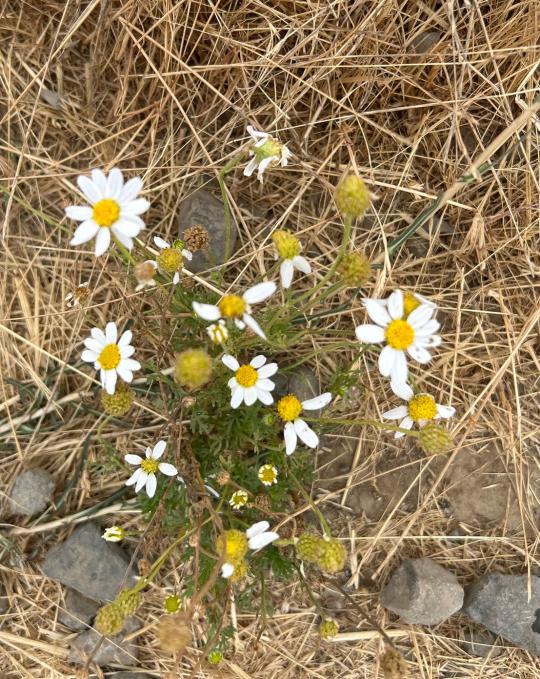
[78,611]
[424,42]
[304,383]
[32,492]
[422,592]
[480,644]
[501,603]
[89,564]
[111,650]
[203,208]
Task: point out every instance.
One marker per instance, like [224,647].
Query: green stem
[324,523]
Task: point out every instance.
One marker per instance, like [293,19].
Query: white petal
[100,180]
[399,369]
[176,278]
[260,541]
[250,167]
[250,396]
[396,413]
[429,342]
[151,485]
[377,312]
[386,361]
[84,232]
[167,469]
[135,207]
[427,329]
[237,397]
[130,364]
[207,311]
[395,304]
[290,438]
[230,362]
[227,570]
[233,384]
[133,459]
[264,396]
[301,264]
[402,389]
[79,212]
[126,228]
[125,339]
[111,332]
[110,377]
[419,353]
[162,244]
[307,435]
[127,351]
[239,324]
[187,254]
[268,370]
[420,316]
[257,134]
[130,190]
[369,334]
[133,219]
[148,453]
[317,402]
[159,449]
[263,165]
[257,529]
[134,477]
[89,356]
[445,411]
[406,423]
[286,271]
[252,323]
[265,384]
[103,240]
[258,361]
[99,335]
[260,292]
[90,189]
[115,182]
[141,480]
[124,240]
[124,373]
[94,345]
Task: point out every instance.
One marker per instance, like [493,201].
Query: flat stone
[422,592]
[31,492]
[501,603]
[480,644]
[78,611]
[89,564]
[203,208]
[112,650]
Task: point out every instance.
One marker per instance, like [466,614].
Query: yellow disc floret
[105,212]
[354,269]
[271,148]
[287,245]
[422,407]
[328,629]
[399,334]
[232,306]
[150,466]
[109,357]
[170,260]
[239,499]
[268,474]
[246,376]
[410,303]
[289,407]
[236,545]
[193,368]
[119,403]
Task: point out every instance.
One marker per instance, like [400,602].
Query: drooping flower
[218,332]
[171,258]
[266,152]
[238,308]
[413,335]
[145,474]
[289,409]
[267,474]
[79,296]
[114,534]
[421,408]
[110,355]
[288,249]
[239,499]
[114,207]
[250,382]
[257,537]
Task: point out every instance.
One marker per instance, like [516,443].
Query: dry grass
[166,88]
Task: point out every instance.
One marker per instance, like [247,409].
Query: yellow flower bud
[352,197]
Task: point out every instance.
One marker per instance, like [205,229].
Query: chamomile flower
[218,332]
[289,408]
[237,308]
[114,534]
[111,355]
[420,409]
[266,152]
[114,207]
[144,273]
[250,382]
[78,296]
[239,499]
[288,249]
[171,258]
[257,537]
[267,474]
[145,474]
[413,335]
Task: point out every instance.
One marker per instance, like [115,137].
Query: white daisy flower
[145,475]
[411,301]
[111,355]
[250,382]
[78,296]
[218,332]
[421,408]
[239,499]
[413,335]
[171,258]
[237,308]
[288,249]
[114,534]
[145,272]
[289,408]
[114,206]
[268,474]
[258,537]
[266,152]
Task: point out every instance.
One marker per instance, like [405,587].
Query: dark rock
[422,592]
[32,492]
[111,650]
[79,610]
[203,208]
[501,603]
[86,562]
[480,644]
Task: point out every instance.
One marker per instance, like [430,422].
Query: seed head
[215,657]
[128,601]
[328,628]
[333,556]
[435,439]
[196,238]
[173,633]
[193,368]
[172,604]
[393,666]
[309,547]
[120,402]
[354,269]
[109,619]
[352,197]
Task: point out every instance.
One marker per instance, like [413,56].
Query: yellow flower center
[422,407]
[246,376]
[150,466]
[105,212]
[232,306]
[267,474]
[287,245]
[109,357]
[170,260]
[399,334]
[239,499]
[271,147]
[236,545]
[410,303]
[289,407]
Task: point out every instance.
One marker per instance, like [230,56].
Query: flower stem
[324,523]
